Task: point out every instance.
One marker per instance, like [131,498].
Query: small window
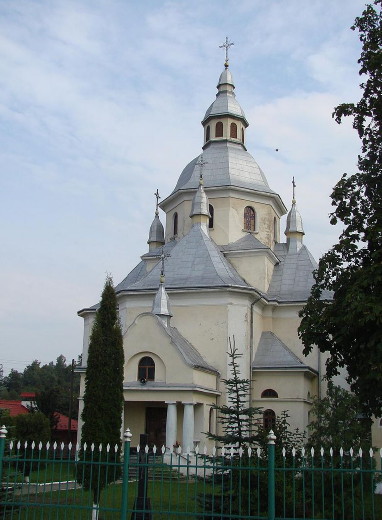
[211,219]
[269,419]
[269,393]
[275,229]
[242,135]
[249,219]
[219,129]
[233,130]
[175,224]
[208,131]
[146,369]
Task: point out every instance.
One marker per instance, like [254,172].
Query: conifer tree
[103,396]
[236,417]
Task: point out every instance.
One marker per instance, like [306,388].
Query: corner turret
[294,229]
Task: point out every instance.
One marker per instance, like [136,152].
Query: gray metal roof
[156,233]
[247,242]
[136,274]
[273,353]
[200,202]
[225,104]
[292,278]
[226,164]
[194,262]
[294,221]
[226,78]
[161,303]
[189,353]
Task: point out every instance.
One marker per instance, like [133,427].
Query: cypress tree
[103,396]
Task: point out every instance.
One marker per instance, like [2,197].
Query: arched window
[249,219]
[233,130]
[211,219]
[208,133]
[242,135]
[269,419]
[175,224]
[269,393]
[146,369]
[275,229]
[219,129]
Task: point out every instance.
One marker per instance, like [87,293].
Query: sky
[100,105]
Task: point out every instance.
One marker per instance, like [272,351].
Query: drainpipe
[251,348]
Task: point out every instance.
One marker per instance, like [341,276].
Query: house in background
[218,270]
[13,407]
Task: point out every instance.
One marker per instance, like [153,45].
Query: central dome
[225,164]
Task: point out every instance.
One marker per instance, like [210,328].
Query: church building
[221,269]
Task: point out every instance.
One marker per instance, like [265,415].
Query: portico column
[188,427]
[171,421]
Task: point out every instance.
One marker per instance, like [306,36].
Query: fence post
[3,434]
[271,475]
[125,482]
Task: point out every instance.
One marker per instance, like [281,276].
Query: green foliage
[103,397]
[238,417]
[338,422]
[349,326]
[52,379]
[32,427]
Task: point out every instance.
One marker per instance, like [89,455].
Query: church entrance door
[156,426]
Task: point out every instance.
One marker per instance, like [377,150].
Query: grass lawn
[169,500]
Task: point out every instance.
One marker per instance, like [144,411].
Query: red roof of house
[28,395]
[14,407]
[63,422]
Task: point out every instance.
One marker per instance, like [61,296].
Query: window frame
[146,371]
[246,219]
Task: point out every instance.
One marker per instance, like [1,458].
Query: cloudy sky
[100,105]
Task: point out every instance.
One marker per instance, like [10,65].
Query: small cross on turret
[163,257]
[293,188]
[226,46]
[157,203]
[201,163]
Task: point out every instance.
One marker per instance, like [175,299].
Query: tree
[236,417]
[103,396]
[349,326]
[31,427]
[338,421]
[239,424]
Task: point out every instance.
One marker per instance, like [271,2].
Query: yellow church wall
[134,418]
[294,390]
[204,379]
[205,327]
[146,336]
[285,323]
[256,269]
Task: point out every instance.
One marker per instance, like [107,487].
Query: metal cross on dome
[163,257]
[157,197]
[293,187]
[226,46]
[201,163]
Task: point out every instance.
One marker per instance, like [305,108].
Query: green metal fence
[113,482]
